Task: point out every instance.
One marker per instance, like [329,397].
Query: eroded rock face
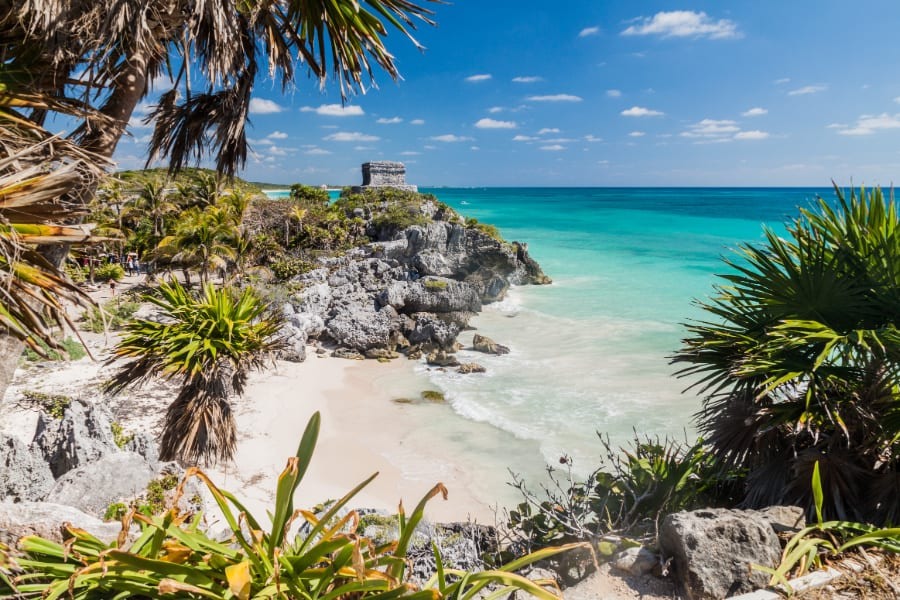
[485,344]
[82,436]
[94,486]
[48,520]
[24,474]
[712,550]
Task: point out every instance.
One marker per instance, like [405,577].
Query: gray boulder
[82,436]
[712,550]
[439,330]
[487,345]
[362,327]
[94,486]
[294,349]
[48,521]
[466,368]
[144,445]
[784,518]
[432,295]
[24,474]
[637,561]
[311,324]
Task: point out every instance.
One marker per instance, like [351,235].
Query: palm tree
[800,361]
[95,61]
[210,342]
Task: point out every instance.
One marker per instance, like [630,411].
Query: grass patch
[54,405]
[435,285]
[119,436]
[73,349]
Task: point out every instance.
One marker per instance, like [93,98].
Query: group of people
[129,261]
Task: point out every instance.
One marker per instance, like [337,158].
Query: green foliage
[120,438]
[290,267]
[115,314]
[210,341]
[153,501]
[329,559]
[631,492]
[109,271]
[54,405]
[70,349]
[115,511]
[489,230]
[75,272]
[799,361]
[435,285]
[309,194]
[815,544]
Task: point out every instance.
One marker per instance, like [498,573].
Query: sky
[603,93]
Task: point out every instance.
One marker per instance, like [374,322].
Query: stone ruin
[384,174]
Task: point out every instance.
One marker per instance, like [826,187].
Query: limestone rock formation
[83,435]
[24,474]
[487,345]
[712,550]
[466,368]
[48,520]
[94,486]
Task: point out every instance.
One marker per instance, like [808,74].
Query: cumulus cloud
[389,121]
[755,112]
[527,79]
[417,122]
[637,134]
[351,136]
[495,124]
[640,111]
[450,138]
[869,124]
[335,110]
[546,130]
[782,81]
[555,98]
[558,141]
[614,93]
[524,138]
[754,134]
[410,153]
[478,78]
[808,89]
[261,106]
[553,148]
[592,138]
[684,23]
[277,135]
[317,152]
[712,130]
[589,31]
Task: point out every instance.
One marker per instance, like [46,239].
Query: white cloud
[592,138]
[495,109]
[546,130]
[558,141]
[138,123]
[410,153]
[261,106]
[277,135]
[495,124]
[754,134]
[637,134]
[317,152]
[389,121]
[524,138]
[335,110]
[478,78]
[711,129]
[782,81]
[475,148]
[360,148]
[684,23]
[527,79]
[450,138]
[808,89]
[555,98]
[640,111]
[897,99]
[277,151]
[614,93]
[417,122]
[589,31]
[553,148]
[755,112]
[870,124]
[351,136]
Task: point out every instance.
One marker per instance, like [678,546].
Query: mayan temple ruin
[382,174]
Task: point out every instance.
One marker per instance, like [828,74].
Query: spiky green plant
[211,341]
[800,358]
[329,560]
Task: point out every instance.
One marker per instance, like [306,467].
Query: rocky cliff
[412,289]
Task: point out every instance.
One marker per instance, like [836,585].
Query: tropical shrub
[289,267]
[210,341]
[309,194]
[328,559]
[489,230]
[54,405]
[109,271]
[799,361]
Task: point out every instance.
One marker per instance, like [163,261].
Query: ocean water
[589,353]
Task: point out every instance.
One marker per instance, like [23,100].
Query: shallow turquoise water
[590,352]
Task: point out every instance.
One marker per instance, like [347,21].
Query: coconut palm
[800,361]
[210,342]
[93,62]
[203,240]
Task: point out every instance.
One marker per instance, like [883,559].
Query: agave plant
[329,560]
[211,342]
[800,361]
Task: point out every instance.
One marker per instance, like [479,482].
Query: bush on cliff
[800,359]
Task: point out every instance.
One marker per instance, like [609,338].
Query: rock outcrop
[485,344]
[713,550]
[49,520]
[94,486]
[24,474]
[83,435]
[411,290]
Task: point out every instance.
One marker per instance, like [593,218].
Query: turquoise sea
[589,352]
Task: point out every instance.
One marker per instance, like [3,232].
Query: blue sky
[591,93]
